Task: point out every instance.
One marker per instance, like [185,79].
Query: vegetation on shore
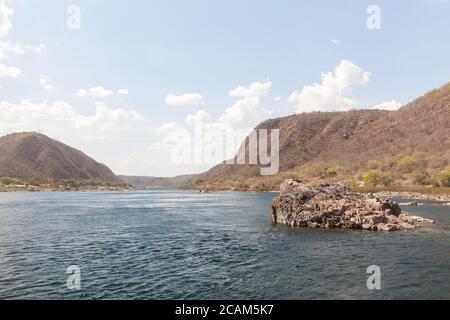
[415,172]
[8,184]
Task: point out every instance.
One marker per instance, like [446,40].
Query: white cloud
[201,117]
[256,89]
[5,26]
[276,99]
[187,99]
[60,117]
[29,116]
[123,92]
[46,83]
[5,22]
[7,47]
[98,92]
[334,93]
[388,105]
[9,72]
[107,119]
[336,42]
[245,113]
[203,141]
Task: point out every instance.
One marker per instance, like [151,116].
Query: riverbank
[418,193]
[21,188]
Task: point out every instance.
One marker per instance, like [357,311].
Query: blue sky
[207,48]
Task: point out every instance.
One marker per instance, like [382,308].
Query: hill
[34,157]
[362,147]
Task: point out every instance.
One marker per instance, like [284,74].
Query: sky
[142,86]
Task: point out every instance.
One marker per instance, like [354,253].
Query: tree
[444,179]
[332,171]
[386,179]
[372,177]
[407,164]
[421,178]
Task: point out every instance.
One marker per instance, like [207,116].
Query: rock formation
[336,206]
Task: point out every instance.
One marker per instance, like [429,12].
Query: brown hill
[35,157]
[343,145]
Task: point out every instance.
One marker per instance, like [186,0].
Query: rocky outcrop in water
[336,206]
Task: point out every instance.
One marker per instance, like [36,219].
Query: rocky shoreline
[413,195]
[336,206]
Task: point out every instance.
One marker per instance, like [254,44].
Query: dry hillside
[408,146]
[34,157]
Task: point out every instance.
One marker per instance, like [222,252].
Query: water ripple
[185,245]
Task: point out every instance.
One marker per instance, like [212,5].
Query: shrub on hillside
[376,177]
[386,179]
[373,165]
[444,179]
[372,177]
[408,164]
[197,182]
[332,172]
[421,178]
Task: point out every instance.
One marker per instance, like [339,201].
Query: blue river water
[184,245]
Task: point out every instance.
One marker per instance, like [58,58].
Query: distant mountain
[143,182]
[344,145]
[34,157]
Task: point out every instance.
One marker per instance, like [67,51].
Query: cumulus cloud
[245,113]
[203,141]
[256,89]
[336,42]
[187,99]
[201,117]
[7,48]
[61,116]
[98,92]
[123,92]
[106,118]
[388,105]
[8,71]
[334,93]
[5,16]
[46,83]
[29,116]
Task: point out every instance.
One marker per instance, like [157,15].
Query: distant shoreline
[408,192]
[437,194]
[14,189]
